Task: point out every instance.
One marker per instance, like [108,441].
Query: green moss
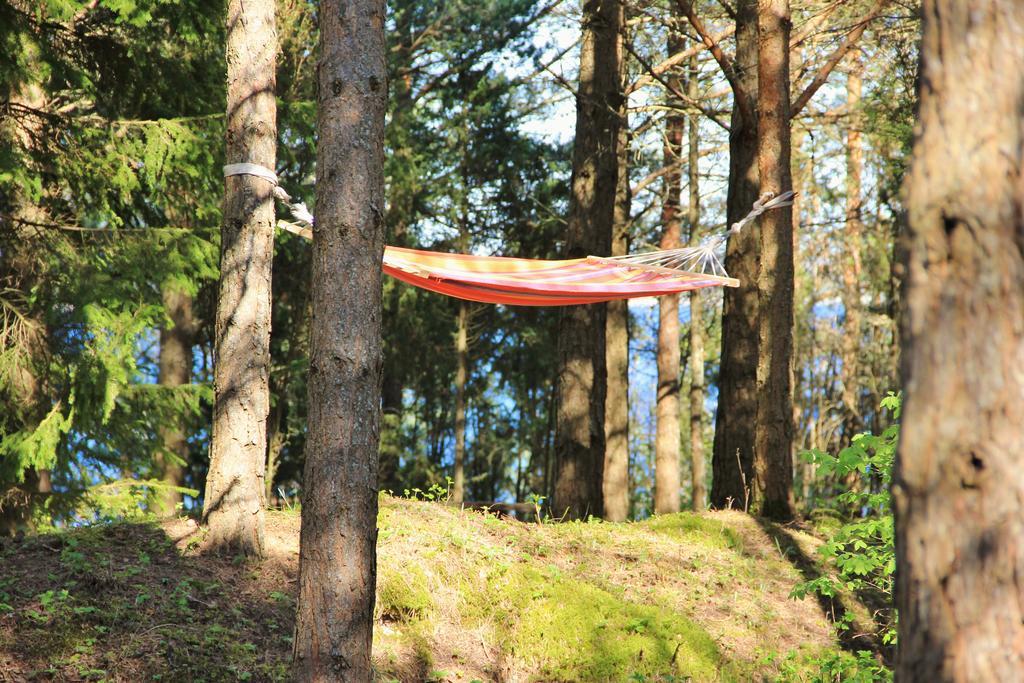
[566,629]
[695,528]
[403,593]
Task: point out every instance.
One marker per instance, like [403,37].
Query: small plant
[435,494]
[862,551]
[538,502]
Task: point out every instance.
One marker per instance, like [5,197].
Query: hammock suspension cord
[533,282]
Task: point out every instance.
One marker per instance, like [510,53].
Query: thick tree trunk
[461,375]
[696,364]
[667,436]
[582,376]
[733,452]
[233,505]
[337,565]
[175,371]
[852,241]
[616,425]
[959,487]
[773,428]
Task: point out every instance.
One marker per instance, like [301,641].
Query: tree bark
[616,426]
[582,376]
[958,487]
[175,371]
[696,364]
[337,564]
[667,436]
[852,239]
[732,460]
[234,500]
[461,374]
[773,435]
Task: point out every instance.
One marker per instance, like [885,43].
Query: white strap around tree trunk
[298,209]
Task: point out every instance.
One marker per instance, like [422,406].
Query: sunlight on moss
[403,593]
[696,528]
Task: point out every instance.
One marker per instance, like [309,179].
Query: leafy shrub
[861,551]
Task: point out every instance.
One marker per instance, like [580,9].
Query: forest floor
[462,596]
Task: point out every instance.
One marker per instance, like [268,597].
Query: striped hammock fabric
[535,282]
[531,282]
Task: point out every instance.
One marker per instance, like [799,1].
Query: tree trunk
[773,427]
[582,376]
[852,241]
[732,460]
[234,501]
[616,426]
[337,565]
[461,375]
[175,371]
[959,488]
[697,468]
[667,436]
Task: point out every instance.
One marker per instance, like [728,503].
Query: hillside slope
[462,596]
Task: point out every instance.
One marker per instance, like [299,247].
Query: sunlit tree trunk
[696,364]
[175,371]
[582,370]
[959,487]
[667,437]
[851,266]
[235,489]
[773,435]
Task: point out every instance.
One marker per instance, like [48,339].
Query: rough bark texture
[773,428]
[175,371]
[733,453]
[852,240]
[582,376]
[461,374]
[337,564]
[667,436]
[234,501]
[696,364]
[959,487]
[616,420]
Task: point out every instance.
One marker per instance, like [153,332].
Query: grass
[461,597]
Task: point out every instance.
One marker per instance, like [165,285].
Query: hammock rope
[534,282]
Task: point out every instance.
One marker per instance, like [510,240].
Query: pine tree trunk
[582,376]
[697,466]
[461,375]
[175,371]
[234,501]
[732,460]
[337,565]
[852,241]
[959,487]
[773,435]
[616,426]
[667,436]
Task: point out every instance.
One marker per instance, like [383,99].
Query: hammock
[532,282]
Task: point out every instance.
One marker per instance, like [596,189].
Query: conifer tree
[235,489]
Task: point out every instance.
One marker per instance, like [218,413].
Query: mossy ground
[462,596]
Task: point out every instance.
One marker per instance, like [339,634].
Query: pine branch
[826,69]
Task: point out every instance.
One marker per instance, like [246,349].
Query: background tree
[666,446]
[582,372]
[958,486]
